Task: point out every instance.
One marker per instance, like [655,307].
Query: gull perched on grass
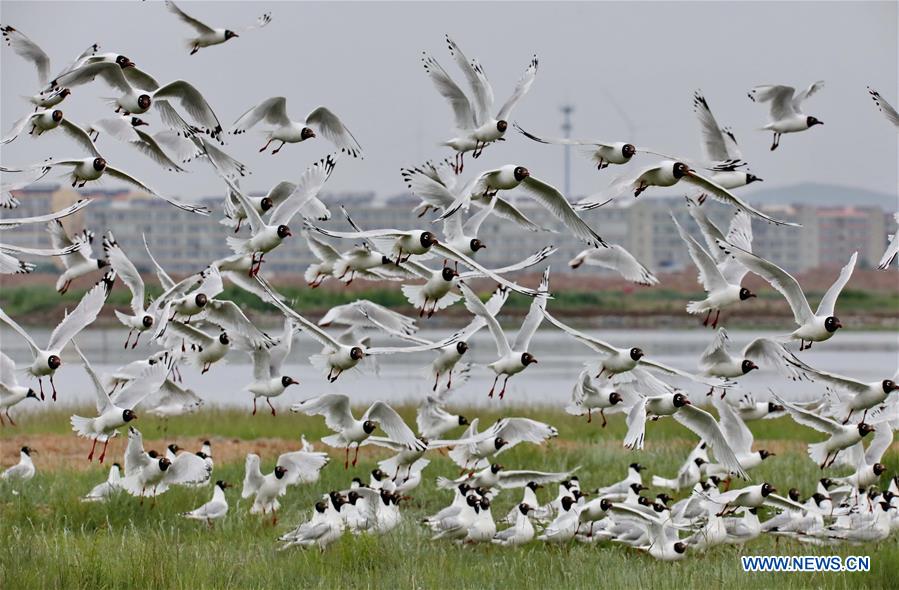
[214,509]
[11,393]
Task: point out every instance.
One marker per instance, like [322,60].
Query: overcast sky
[629,68]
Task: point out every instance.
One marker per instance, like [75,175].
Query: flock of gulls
[189,324]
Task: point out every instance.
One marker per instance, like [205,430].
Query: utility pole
[566,133]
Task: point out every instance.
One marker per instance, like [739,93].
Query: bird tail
[121,316]
[320,362]
[311,273]
[333,440]
[818,452]
[228,222]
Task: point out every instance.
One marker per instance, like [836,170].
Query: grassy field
[50,539]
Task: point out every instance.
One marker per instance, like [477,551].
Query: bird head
[679,170]
[750,178]
[124,62]
[223,485]
[832,324]
[767,489]
[288,381]
[463,420]
[501,126]
[636,354]
[812,121]
[28,450]
[878,469]
[368,426]
[528,359]
[525,508]
[280,471]
[793,494]
[499,442]
[266,203]
[680,547]
[765,454]
[476,244]
[230,35]
[534,486]
[31,393]
[200,300]
[520,173]
[138,122]
[747,365]
[448,274]
[680,400]
[356,353]
[461,347]
[746,294]
[628,150]
[99,164]
[223,339]
[174,448]
[147,321]
[321,506]
[427,239]
[772,407]
[144,101]
[378,474]
[57,115]
[306,133]
[164,464]
[496,468]
[568,502]
[864,429]
[615,398]
[128,415]
[636,467]
[889,385]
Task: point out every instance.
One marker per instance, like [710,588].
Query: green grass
[50,539]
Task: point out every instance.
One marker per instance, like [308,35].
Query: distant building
[184,242]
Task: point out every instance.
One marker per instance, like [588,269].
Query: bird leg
[705,322]
[589,415]
[41,383]
[493,386]
[90,456]
[449,382]
[776,141]
[399,256]
[103,454]
[503,392]
[336,375]
[602,413]
[278,149]
[702,198]
[239,221]
[128,338]
[437,380]
[134,345]
[640,188]
[346,458]
[263,148]
[53,385]
[254,406]
[715,323]
[421,312]
[269,402]
[195,49]
[349,282]
[356,456]
[711,391]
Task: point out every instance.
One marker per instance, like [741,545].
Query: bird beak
[688,402]
[294,382]
[288,233]
[129,64]
[839,325]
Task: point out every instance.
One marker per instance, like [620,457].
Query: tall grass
[51,539]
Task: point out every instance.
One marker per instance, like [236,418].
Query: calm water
[864,355]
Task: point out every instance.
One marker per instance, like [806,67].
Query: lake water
[864,355]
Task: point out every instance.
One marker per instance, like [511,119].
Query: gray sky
[362,60]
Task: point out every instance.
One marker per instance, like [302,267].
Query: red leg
[346,458]
[136,340]
[494,386]
[278,149]
[103,454]
[254,406]
[53,385]
[41,383]
[128,338]
[503,392]
[90,456]
[356,456]
[269,402]
[603,414]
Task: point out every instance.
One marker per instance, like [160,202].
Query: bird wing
[253,478]
[148,382]
[308,187]
[534,318]
[279,352]
[83,315]
[149,146]
[335,407]
[829,301]
[448,89]
[517,430]
[636,425]
[474,304]
[535,258]
[705,426]
[520,478]
[886,108]
[302,466]
[19,126]
[103,402]
[61,240]
[10,223]
[723,195]
[79,136]
[305,325]
[617,258]
[563,141]
[599,346]
[187,468]
[125,269]
[773,354]
[800,97]
[28,49]
[199,27]
[225,164]
[709,274]
[781,98]
[473,224]
[127,178]
[273,110]
[779,501]
[810,419]
[833,379]
[477,81]
[555,202]
[7,371]
[392,424]
[716,352]
[521,88]
[322,250]
[191,333]
[777,277]
[229,316]
[192,101]
[35,349]
[883,438]
[710,231]
[327,124]
[714,145]
[428,187]
[450,252]
[109,72]
[135,457]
